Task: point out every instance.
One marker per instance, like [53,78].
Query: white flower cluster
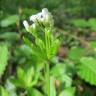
[43,17]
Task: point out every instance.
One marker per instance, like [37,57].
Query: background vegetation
[75,26]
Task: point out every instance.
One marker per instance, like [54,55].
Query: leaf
[27,41]
[76,53]
[25,50]
[25,77]
[40,47]
[29,76]
[59,72]
[16,82]
[3,92]
[87,69]
[3,58]
[93,44]
[68,92]
[10,36]
[54,48]
[13,19]
[34,92]
[21,74]
[52,87]
[40,43]
[80,23]
[92,23]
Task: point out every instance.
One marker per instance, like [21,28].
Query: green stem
[47,75]
[47,78]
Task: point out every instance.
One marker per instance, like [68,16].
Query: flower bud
[26,25]
[45,11]
[34,26]
[33,18]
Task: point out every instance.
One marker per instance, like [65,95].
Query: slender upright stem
[47,75]
[47,78]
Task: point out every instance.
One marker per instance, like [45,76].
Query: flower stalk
[45,46]
[47,79]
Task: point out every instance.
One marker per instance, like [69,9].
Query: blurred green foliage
[75,26]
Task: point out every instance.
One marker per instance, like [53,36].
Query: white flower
[47,17]
[33,26]
[26,25]
[44,17]
[46,14]
[45,11]
[39,15]
[33,18]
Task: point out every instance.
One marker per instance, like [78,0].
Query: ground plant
[48,48]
